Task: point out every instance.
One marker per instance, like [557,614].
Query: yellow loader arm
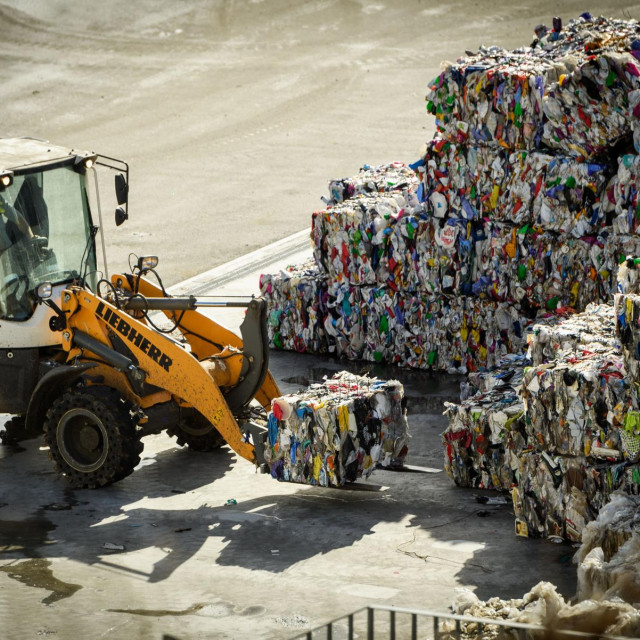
[205,336]
[152,362]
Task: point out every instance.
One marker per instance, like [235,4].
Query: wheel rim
[82,440]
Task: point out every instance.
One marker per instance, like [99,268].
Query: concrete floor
[275,561]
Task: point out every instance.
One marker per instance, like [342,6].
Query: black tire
[92,437]
[196,432]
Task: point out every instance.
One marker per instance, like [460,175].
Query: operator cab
[47,229]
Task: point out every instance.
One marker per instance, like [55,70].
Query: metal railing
[376,622]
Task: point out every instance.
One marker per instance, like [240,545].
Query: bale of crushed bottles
[352,240]
[475,182]
[482,434]
[620,201]
[373,240]
[557,496]
[378,324]
[560,333]
[627,310]
[573,90]
[393,177]
[578,406]
[337,431]
[295,314]
[628,276]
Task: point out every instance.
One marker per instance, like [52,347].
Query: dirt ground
[235,113]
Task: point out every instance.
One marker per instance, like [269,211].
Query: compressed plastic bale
[577,406]
[377,240]
[538,498]
[552,497]
[559,496]
[295,315]
[463,96]
[628,276]
[343,322]
[627,312]
[539,270]
[612,252]
[476,182]
[555,334]
[351,238]
[620,199]
[567,91]
[447,333]
[390,177]
[481,435]
[338,431]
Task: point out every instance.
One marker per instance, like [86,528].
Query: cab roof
[20,153]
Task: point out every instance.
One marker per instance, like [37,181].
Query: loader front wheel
[92,438]
[195,431]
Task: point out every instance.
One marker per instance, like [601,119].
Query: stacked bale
[526,197]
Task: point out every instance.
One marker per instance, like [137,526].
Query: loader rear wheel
[195,431]
[92,437]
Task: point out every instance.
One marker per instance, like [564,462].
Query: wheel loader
[93,362]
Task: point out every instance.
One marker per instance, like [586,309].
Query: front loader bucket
[256,356]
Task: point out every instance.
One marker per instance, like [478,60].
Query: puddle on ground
[37,573]
[218,610]
[69,502]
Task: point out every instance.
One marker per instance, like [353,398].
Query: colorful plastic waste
[338,431]
[568,91]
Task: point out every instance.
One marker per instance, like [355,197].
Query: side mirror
[121,216]
[122,189]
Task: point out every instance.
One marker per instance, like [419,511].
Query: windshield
[45,236]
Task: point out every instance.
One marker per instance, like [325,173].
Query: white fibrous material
[543,607]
